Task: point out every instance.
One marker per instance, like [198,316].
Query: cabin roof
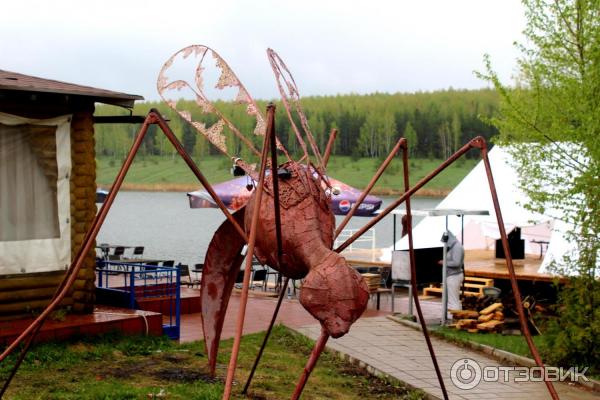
[13,81]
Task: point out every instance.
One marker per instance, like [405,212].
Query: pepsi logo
[345,206]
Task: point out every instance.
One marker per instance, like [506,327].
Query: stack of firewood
[373,281]
[488,319]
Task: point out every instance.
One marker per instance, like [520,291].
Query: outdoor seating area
[117,252]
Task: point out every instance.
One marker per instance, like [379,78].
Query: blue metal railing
[139,282]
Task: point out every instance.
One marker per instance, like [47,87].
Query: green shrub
[576,330]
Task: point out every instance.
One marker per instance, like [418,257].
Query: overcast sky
[331,47]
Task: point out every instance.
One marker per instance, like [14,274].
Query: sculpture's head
[335,294]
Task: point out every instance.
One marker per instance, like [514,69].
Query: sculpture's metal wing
[208,118]
[290,96]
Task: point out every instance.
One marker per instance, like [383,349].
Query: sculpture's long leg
[251,241]
[275,179]
[511,269]
[401,142]
[276,205]
[310,365]
[413,274]
[267,334]
[329,147]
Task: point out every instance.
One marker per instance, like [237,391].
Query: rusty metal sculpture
[286,224]
[287,220]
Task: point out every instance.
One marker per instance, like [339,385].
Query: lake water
[168,229]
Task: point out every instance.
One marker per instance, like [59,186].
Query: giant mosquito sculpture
[287,223]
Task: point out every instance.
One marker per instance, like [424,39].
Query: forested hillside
[435,123]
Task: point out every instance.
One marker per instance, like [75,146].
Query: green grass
[357,173]
[116,367]
[515,344]
[161,170]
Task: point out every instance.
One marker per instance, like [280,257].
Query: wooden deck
[478,263]
[481,263]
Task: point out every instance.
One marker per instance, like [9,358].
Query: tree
[456,129]
[317,127]
[389,132]
[411,137]
[427,111]
[445,140]
[551,118]
[368,138]
[188,138]
[149,142]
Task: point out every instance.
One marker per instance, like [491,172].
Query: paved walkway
[259,312]
[387,347]
[400,351]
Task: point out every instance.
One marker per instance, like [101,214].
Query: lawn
[171,172]
[515,344]
[117,367]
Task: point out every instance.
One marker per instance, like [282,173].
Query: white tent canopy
[481,232]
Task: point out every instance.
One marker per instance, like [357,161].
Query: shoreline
[187,187]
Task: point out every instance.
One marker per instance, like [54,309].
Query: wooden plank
[475,285]
[433,290]
[491,309]
[466,323]
[485,281]
[366,263]
[28,306]
[498,315]
[31,281]
[490,325]
[429,291]
[27,294]
[464,314]
[485,318]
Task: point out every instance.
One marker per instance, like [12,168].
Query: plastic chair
[151,266]
[166,264]
[198,268]
[184,271]
[239,279]
[104,249]
[138,251]
[260,276]
[119,251]
[385,276]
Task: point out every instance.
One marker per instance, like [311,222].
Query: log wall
[83,203]
[26,294]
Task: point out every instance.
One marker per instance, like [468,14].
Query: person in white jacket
[455,258]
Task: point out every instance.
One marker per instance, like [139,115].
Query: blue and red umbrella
[236,192]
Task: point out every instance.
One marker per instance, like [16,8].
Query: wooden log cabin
[47,189]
